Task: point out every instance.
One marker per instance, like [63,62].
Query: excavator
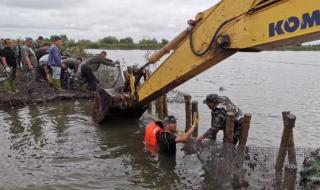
[215,34]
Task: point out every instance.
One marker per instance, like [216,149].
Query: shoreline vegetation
[113,43]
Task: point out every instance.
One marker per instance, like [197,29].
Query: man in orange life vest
[151,133]
[164,135]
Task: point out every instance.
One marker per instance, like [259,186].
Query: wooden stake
[292,156]
[229,131]
[245,131]
[161,115]
[150,108]
[165,105]
[187,100]
[195,117]
[289,123]
[290,177]
[159,108]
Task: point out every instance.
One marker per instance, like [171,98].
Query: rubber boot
[57,85]
[7,86]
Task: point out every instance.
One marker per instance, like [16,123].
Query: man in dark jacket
[86,69]
[9,61]
[220,105]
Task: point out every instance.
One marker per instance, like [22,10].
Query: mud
[33,93]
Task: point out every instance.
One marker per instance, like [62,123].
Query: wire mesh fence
[255,168]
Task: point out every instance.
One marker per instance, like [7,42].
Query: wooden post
[290,177]
[165,105]
[292,156]
[187,100]
[161,115]
[245,131]
[289,123]
[229,131]
[195,117]
[159,108]
[150,108]
[156,102]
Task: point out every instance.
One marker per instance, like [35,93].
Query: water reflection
[58,147]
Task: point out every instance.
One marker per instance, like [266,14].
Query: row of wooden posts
[286,179]
[285,175]
[191,111]
[192,118]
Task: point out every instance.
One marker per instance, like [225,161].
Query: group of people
[42,61]
[162,136]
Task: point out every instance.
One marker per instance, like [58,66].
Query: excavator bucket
[110,104]
[110,100]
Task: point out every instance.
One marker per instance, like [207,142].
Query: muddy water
[264,84]
[57,146]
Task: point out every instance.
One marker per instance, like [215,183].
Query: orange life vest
[151,132]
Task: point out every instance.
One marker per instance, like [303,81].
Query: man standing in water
[168,139]
[55,62]
[219,107]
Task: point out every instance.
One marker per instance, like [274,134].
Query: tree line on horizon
[112,42]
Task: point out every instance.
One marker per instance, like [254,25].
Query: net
[253,169]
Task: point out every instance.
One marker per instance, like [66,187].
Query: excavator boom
[217,33]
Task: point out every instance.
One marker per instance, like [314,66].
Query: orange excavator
[215,34]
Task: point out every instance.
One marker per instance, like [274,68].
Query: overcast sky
[94,19]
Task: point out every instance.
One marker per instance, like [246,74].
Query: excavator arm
[231,26]
[217,33]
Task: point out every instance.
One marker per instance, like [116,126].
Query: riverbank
[22,93]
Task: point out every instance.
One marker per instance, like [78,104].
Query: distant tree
[164,42]
[148,41]
[109,40]
[63,37]
[52,37]
[127,40]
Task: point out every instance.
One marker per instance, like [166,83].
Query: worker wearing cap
[168,139]
[219,106]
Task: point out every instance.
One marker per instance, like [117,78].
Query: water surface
[57,146]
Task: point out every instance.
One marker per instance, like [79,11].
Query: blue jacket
[54,56]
